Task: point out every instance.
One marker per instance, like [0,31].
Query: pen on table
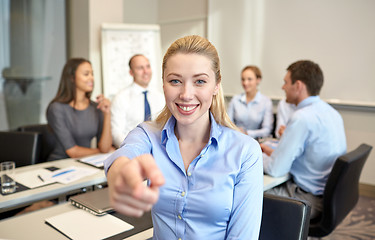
[41,179]
[61,173]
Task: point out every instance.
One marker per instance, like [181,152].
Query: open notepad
[96,160]
[40,177]
[80,224]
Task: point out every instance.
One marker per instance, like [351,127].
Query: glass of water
[7,173]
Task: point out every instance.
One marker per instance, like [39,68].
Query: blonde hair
[198,45]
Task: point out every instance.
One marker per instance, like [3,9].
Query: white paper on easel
[80,224]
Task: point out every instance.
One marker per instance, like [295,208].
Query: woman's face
[249,81]
[189,85]
[84,78]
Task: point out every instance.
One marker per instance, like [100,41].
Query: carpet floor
[359,224]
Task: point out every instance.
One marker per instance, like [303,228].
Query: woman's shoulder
[58,106]
[264,97]
[236,98]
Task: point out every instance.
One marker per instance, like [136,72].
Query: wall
[272,34]
[86,18]
[181,18]
[136,12]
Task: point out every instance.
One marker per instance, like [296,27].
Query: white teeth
[186,109]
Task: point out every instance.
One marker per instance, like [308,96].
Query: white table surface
[32,226]
[26,197]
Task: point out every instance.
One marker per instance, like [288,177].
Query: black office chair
[284,218]
[48,139]
[341,191]
[20,147]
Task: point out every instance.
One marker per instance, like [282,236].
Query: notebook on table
[95,202]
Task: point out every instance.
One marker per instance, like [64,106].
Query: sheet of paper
[69,174]
[33,178]
[80,224]
[96,160]
[272,143]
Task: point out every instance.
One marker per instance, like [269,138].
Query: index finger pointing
[151,170]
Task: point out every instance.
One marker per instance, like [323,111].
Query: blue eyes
[197,82]
[174,81]
[200,82]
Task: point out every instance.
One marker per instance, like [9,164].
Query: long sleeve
[56,119]
[247,200]
[119,120]
[267,123]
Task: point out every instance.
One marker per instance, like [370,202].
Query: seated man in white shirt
[284,113]
[128,106]
[312,141]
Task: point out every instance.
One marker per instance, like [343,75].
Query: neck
[142,86]
[193,133]
[250,95]
[301,99]
[81,101]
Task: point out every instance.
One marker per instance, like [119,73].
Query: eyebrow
[195,75]
[200,74]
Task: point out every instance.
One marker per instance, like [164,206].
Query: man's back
[312,141]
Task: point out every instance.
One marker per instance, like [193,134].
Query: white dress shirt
[284,113]
[127,110]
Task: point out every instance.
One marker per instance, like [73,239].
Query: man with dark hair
[313,138]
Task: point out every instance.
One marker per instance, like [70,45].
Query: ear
[131,72]
[301,86]
[258,81]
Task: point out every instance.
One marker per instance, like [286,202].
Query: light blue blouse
[312,141]
[255,117]
[219,196]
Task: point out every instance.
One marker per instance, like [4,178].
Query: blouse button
[179,217]
[189,174]
[182,194]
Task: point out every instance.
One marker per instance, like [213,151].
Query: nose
[187,92]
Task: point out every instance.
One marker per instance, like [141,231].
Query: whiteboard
[119,43]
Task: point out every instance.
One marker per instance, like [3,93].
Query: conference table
[32,225]
[52,191]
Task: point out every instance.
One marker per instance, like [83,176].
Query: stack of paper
[40,177]
[80,224]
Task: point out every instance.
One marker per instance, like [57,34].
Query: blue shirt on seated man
[313,139]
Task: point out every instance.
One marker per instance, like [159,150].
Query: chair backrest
[341,192]
[20,147]
[48,139]
[284,218]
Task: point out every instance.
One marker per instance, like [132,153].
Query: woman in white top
[251,111]
[284,112]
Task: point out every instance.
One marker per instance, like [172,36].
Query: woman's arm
[105,142]
[247,208]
